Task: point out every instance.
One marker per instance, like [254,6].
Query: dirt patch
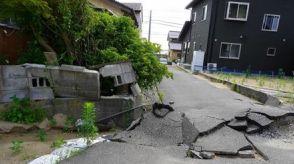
[33,148]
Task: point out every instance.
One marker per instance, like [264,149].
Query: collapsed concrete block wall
[40,82]
[123,73]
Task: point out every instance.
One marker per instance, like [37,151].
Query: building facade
[174,46]
[242,34]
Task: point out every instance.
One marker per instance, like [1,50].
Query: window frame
[265,16]
[233,58]
[275,51]
[227,16]
[204,13]
[194,16]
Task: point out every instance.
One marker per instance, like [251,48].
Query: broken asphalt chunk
[259,119]
[194,154]
[272,112]
[225,141]
[251,129]
[246,154]
[134,124]
[238,124]
[190,133]
[241,116]
[207,155]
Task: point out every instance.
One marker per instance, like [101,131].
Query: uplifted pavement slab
[252,128]
[259,119]
[224,141]
[272,112]
[173,129]
[205,121]
[238,124]
[276,150]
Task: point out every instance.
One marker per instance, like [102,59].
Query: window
[40,82]
[194,46]
[230,50]
[237,11]
[270,22]
[204,13]
[194,16]
[271,52]
[119,80]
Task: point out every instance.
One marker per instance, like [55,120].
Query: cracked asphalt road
[208,108]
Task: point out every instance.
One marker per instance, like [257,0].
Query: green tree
[79,35]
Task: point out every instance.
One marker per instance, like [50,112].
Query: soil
[32,147]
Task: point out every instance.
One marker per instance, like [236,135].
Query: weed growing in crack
[16,146]
[88,129]
[58,143]
[42,135]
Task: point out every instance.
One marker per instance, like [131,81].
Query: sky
[167,15]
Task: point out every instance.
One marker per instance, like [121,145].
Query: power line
[168,25]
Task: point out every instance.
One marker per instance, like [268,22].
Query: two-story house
[237,34]
[174,46]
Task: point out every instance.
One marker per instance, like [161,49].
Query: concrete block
[5,96]
[41,93]
[72,68]
[12,71]
[13,84]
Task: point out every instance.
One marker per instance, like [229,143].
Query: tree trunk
[68,45]
[51,54]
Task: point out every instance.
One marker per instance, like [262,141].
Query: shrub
[16,146]
[42,135]
[58,143]
[88,128]
[21,111]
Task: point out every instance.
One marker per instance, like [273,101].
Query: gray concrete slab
[224,141]
[259,119]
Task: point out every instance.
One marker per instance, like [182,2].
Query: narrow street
[210,109]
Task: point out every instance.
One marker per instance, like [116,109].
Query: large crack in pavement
[181,138]
[220,136]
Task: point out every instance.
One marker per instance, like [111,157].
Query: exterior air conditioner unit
[212,66]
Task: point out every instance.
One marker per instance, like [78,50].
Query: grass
[282,86]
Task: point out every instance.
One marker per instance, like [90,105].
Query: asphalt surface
[209,108]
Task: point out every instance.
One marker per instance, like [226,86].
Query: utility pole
[150,21]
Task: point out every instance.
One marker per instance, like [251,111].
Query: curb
[246,91]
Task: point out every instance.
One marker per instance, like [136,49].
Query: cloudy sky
[166,15]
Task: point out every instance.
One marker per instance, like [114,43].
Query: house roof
[185,29]
[138,8]
[193,3]
[124,8]
[175,46]
[173,35]
[135,6]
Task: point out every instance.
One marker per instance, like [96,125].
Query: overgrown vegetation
[16,146]
[42,135]
[21,111]
[88,129]
[77,34]
[58,143]
[282,85]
